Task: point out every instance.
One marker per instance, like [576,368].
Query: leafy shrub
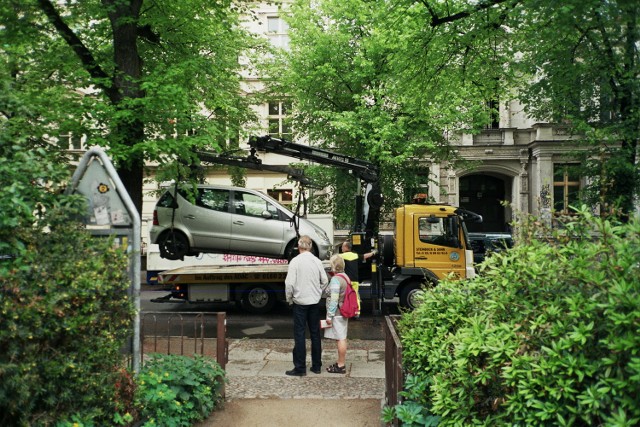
[64,311]
[178,390]
[65,315]
[546,335]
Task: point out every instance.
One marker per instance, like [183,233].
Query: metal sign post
[111,212]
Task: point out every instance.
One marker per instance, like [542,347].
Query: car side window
[166,201]
[252,205]
[214,199]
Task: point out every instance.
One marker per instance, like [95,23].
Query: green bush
[65,316]
[548,334]
[64,310]
[178,390]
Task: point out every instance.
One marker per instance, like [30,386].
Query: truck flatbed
[203,274]
[256,287]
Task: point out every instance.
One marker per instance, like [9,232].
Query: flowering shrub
[178,390]
[546,335]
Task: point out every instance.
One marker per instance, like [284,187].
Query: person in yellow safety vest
[351,260]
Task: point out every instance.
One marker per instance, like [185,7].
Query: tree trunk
[128,131]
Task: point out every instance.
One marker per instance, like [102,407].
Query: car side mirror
[267,215]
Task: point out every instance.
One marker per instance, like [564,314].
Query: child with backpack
[342,304]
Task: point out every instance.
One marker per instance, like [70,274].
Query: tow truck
[429,242]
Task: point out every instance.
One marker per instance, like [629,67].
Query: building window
[277,31]
[284,197]
[566,187]
[75,142]
[279,123]
[493,109]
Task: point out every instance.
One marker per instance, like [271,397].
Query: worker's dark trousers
[303,316]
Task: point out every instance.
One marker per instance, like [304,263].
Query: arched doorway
[483,194]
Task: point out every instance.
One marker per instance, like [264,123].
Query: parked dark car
[486,243]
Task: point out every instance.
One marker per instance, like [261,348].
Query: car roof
[216,186]
[490,235]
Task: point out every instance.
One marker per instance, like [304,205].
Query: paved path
[256,370]
[260,394]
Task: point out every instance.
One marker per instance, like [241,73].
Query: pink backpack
[349,307]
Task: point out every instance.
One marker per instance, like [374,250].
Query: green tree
[348,97]
[393,82]
[132,75]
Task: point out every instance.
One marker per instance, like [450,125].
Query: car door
[251,231]
[209,219]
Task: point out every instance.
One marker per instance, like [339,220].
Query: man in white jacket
[305,283]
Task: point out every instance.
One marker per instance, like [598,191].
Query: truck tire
[408,295]
[258,299]
[173,245]
[413,287]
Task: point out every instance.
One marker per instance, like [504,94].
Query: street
[277,324]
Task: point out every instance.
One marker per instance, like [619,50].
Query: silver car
[229,220]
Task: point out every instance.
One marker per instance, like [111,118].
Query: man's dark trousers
[303,316]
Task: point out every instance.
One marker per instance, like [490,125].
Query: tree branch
[437,20]
[84,54]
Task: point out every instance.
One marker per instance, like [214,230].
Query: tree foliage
[149,80]
[392,83]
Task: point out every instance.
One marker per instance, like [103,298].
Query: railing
[165,333]
[394,376]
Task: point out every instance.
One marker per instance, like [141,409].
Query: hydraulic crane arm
[367,205]
[366,171]
[252,162]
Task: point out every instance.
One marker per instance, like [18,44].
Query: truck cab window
[440,232]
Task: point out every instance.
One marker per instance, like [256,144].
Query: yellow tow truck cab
[430,242]
[433,237]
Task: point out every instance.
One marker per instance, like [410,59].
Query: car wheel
[174,245]
[409,296]
[258,299]
[291,251]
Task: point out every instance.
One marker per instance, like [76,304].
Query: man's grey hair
[305,242]
[347,244]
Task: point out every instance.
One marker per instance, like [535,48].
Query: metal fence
[185,334]
[394,375]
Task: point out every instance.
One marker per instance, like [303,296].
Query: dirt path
[297,413]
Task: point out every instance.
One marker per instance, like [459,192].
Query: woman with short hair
[338,325]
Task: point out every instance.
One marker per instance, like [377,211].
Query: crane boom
[366,171]
[252,162]
[367,205]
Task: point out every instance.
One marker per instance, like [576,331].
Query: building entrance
[483,194]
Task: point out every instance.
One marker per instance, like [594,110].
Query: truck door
[256,227]
[437,245]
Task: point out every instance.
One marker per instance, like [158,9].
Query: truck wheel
[258,299]
[409,294]
[173,245]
